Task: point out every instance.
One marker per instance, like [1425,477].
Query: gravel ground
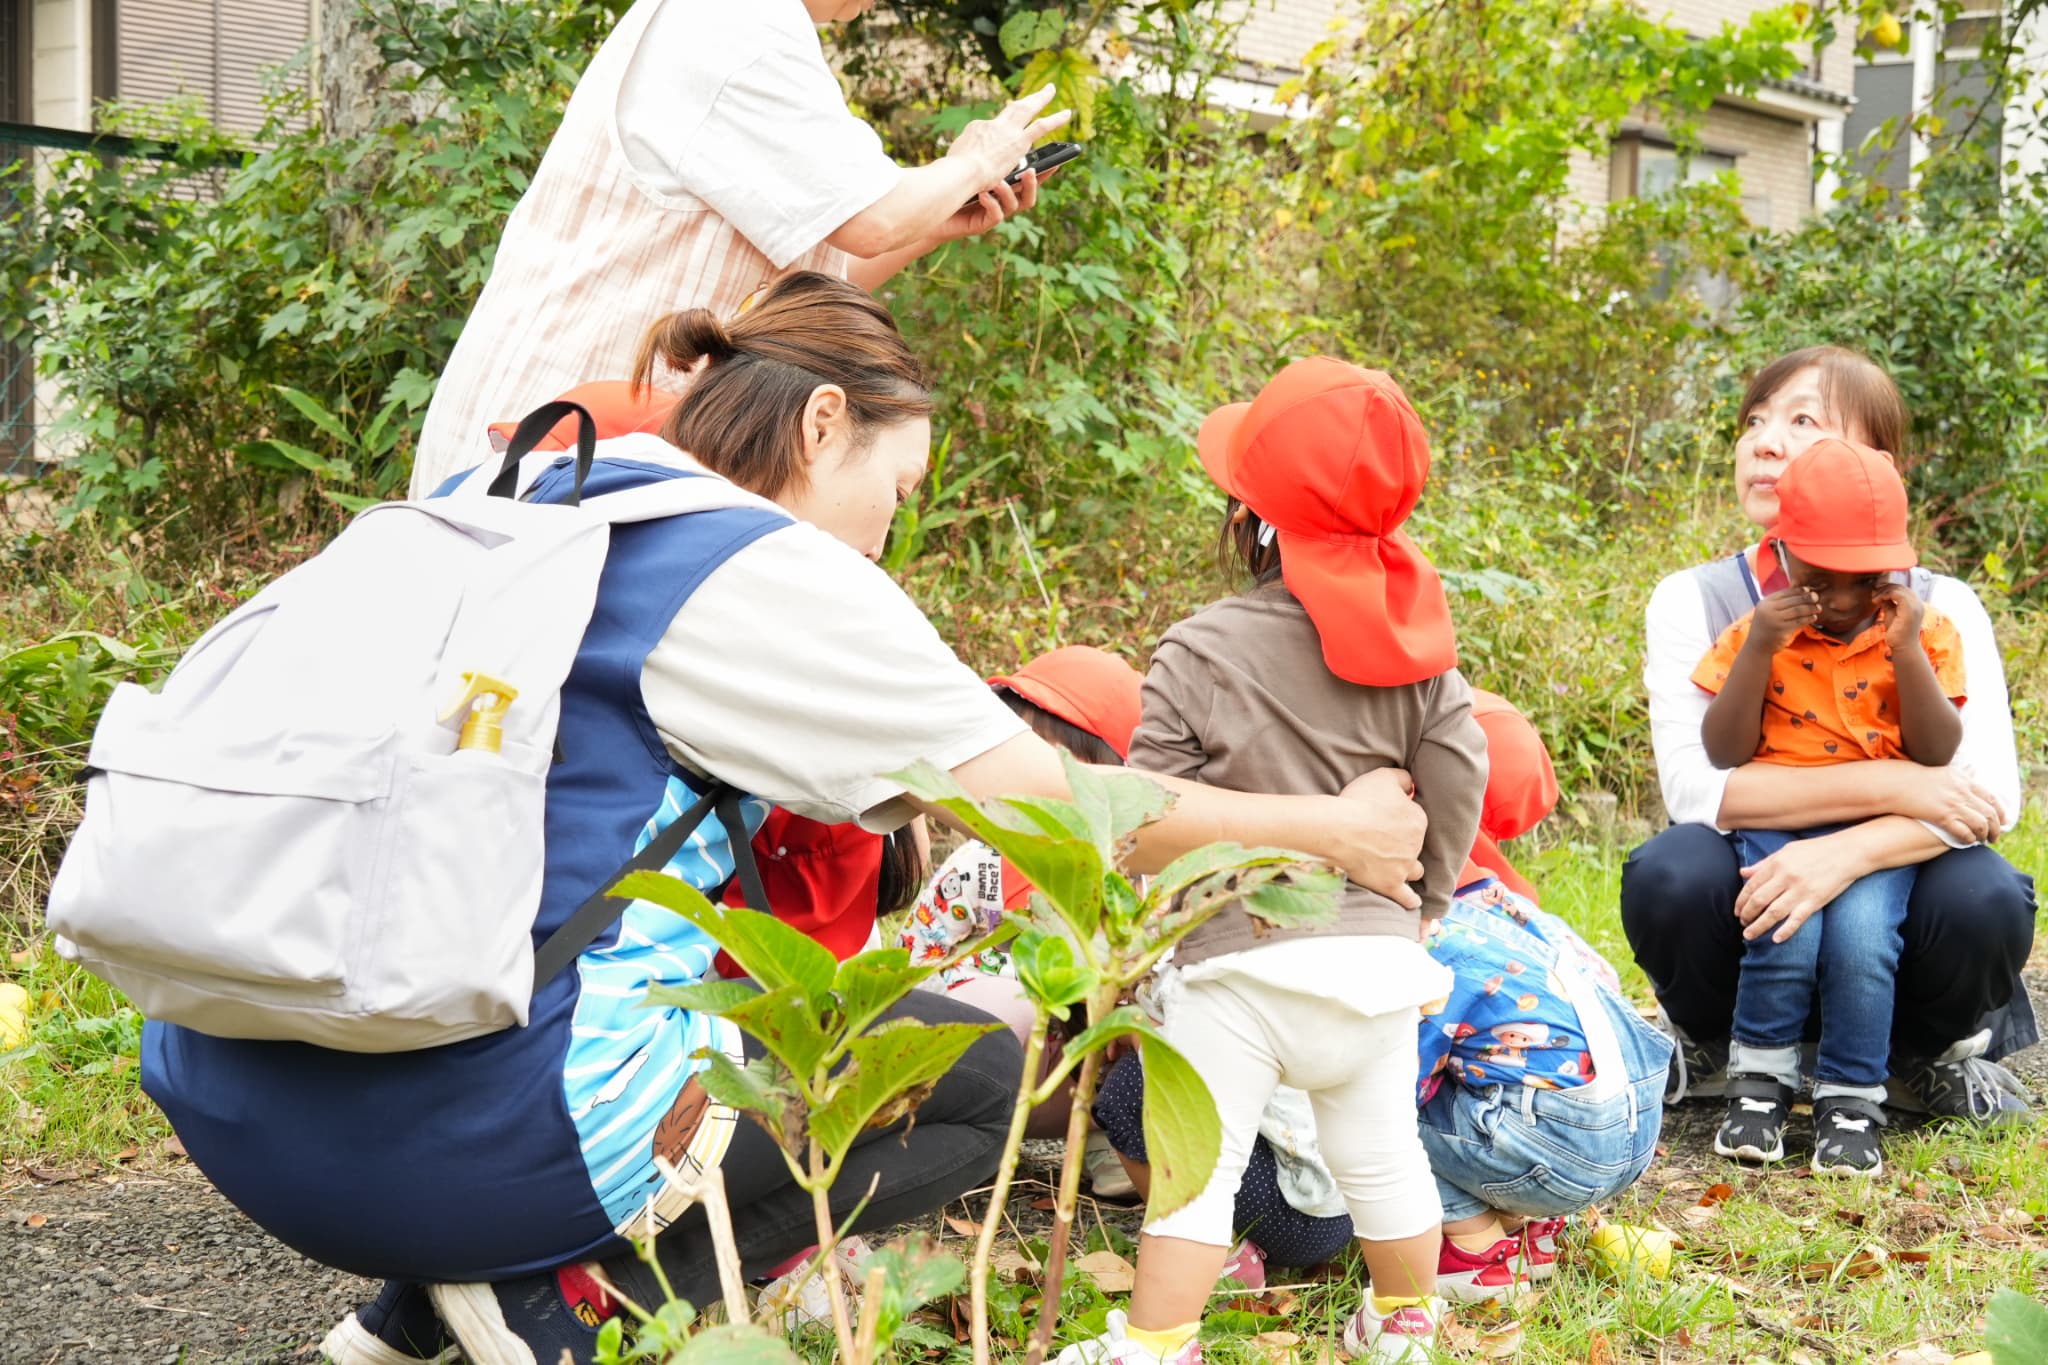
[148,1266]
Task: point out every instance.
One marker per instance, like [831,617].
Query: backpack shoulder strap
[600,910]
[1727,592]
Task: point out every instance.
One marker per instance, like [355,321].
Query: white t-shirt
[730,104]
[1675,638]
[799,672]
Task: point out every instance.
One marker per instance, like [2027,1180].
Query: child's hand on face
[1901,612]
[1779,617]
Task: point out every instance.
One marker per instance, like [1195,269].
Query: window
[1660,170]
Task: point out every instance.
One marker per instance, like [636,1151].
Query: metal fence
[17,359]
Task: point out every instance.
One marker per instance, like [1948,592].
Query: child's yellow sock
[1393,1304]
[1165,1341]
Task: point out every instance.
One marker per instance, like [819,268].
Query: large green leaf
[1210,859]
[1120,1022]
[888,1072]
[1114,804]
[712,997]
[1073,78]
[736,1343]
[1182,1133]
[787,1023]
[870,983]
[1052,973]
[1054,818]
[914,1273]
[2016,1332]
[1067,871]
[756,1087]
[1031,30]
[771,952]
[316,412]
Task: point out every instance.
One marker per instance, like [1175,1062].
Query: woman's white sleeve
[799,672]
[1675,638]
[1988,751]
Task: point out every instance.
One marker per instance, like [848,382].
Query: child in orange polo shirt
[1844,664]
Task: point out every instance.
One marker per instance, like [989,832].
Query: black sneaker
[398,1327]
[539,1320]
[1845,1132]
[1962,1088]
[1699,1071]
[1758,1109]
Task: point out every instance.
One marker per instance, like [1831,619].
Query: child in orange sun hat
[1340,660]
[1845,664]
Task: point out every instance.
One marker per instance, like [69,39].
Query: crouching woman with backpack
[493,1181]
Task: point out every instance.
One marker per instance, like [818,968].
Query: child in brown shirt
[1340,662]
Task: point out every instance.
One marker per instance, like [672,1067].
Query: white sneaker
[1106,1174]
[1114,1348]
[348,1342]
[799,1302]
[1406,1336]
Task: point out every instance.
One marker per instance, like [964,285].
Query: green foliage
[190,329]
[1950,305]
[2017,1330]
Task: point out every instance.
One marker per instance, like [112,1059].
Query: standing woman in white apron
[707,150]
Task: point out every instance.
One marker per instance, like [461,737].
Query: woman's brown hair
[742,416]
[1855,391]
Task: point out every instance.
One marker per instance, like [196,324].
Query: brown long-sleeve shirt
[1238,696]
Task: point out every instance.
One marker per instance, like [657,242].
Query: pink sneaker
[1247,1265]
[1542,1235]
[1470,1276]
[1406,1336]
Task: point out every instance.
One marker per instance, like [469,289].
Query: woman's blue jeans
[1847,953]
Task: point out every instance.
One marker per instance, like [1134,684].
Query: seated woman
[494,1183]
[1539,1083]
[1685,897]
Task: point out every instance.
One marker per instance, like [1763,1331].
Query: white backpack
[286,843]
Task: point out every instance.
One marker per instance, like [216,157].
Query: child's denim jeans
[1847,952]
[1547,1153]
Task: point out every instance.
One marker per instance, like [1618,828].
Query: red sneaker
[1542,1236]
[1247,1265]
[1469,1276]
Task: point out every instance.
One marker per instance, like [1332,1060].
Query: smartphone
[1040,159]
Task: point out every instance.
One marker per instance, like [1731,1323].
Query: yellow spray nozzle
[482,707]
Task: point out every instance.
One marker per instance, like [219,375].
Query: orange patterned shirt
[1831,701]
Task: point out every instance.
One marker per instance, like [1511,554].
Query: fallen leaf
[1277,1347]
[1913,1257]
[1455,1338]
[128,1153]
[1015,1265]
[1995,1232]
[1045,1203]
[1112,1273]
[1920,1353]
[1599,1350]
[49,1175]
[1502,1344]
[1717,1194]
[1869,1261]
[963,1227]
[173,1147]
[1973,1358]
[1850,1216]
[1700,1215]
[36,1220]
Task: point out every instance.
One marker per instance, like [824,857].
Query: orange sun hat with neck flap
[1086,687]
[1333,458]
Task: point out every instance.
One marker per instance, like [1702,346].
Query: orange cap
[1842,506]
[1086,687]
[617,408]
[1333,457]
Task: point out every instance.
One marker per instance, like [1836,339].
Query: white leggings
[1245,1036]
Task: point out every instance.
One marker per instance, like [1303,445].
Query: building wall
[1276,33]
[219,52]
[60,80]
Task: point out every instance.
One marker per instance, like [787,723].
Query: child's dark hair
[903,872]
[1238,548]
[1056,730]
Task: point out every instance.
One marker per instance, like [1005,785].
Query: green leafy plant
[2016,1332]
[1089,936]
